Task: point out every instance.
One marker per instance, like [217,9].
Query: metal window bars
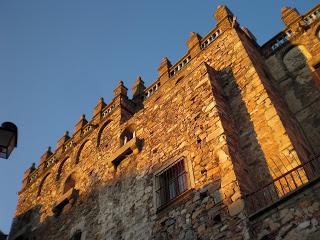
[171,183]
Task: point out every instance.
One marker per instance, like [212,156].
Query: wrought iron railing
[283,186]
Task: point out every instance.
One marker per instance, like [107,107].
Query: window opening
[172,182]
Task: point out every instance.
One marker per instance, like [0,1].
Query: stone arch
[102,132]
[69,183]
[73,180]
[81,151]
[295,56]
[296,60]
[127,134]
[61,167]
[42,183]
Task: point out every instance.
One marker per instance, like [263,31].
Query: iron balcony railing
[283,185]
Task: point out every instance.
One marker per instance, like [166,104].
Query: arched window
[70,183]
[42,184]
[104,134]
[84,152]
[62,166]
[126,136]
[296,62]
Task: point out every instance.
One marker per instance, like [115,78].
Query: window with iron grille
[171,183]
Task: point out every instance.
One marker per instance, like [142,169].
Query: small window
[76,235]
[171,183]
[126,136]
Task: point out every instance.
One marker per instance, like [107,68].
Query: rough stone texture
[225,110]
[296,218]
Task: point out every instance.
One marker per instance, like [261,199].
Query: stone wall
[296,217]
[219,112]
[291,68]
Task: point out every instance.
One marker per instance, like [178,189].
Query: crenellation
[290,15]
[225,135]
[295,27]
[164,70]
[46,155]
[63,140]
[80,124]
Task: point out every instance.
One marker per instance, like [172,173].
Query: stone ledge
[127,149]
[69,197]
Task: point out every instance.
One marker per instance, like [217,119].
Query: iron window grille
[171,183]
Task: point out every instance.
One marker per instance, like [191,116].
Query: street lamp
[8,139]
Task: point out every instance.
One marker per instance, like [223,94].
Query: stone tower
[223,145]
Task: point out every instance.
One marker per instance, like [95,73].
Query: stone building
[223,145]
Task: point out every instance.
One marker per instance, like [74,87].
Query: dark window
[172,182]
[76,235]
[126,136]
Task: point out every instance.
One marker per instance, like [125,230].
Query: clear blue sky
[58,57]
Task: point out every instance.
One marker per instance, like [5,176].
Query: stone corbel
[131,147]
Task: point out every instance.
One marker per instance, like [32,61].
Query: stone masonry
[242,119]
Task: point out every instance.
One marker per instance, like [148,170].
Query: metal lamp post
[8,139]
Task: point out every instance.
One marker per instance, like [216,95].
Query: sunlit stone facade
[223,145]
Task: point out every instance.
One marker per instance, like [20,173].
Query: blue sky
[58,57]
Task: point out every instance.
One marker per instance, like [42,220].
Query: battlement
[220,138]
[295,26]
[166,71]
[102,111]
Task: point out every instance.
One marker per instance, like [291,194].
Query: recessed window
[172,182]
[76,235]
[126,136]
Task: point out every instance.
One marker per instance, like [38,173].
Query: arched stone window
[70,183]
[104,134]
[64,164]
[84,152]
[296,61]
[42,184]
[126,136]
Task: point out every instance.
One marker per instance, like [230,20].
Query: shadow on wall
[295,74]
[248,159]
[22,224]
